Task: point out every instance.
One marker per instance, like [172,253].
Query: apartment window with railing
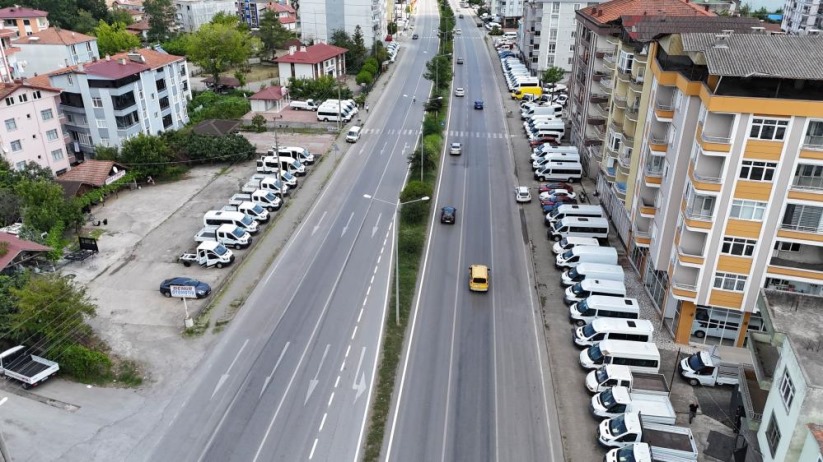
[783,246]
[123,101]
[738,246]
[748,210]
[757,171]
[127,120]
[808,176]
[814,134]
[768,129]
[729,281]
[699,206]
[804,218]
[625,62]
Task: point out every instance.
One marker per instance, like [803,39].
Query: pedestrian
[693,411]
[150,180]
[367,108]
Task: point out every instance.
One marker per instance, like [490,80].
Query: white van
[559,171]
[599,306]
[574,210]
[567,244]
[599,330]
[510,35]
[353,135]
[555,157]
[597,228]
[545,131]
[724,324]
[239,219]
[531,120]
[302,154]
[554,109]
[331,114]
[586,254]
[347,104]
[585,271]
[589,287]
[641,357]
[543,149]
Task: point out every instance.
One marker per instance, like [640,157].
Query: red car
[551,200]
[557,185]
[541,141]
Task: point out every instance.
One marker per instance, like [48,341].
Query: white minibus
[567,244]
[604,307]
[586,254]
[641,357]
[597,228]
[239,219]
[591,271]
[589,287]
[599,330]
[574,210]
[559,171]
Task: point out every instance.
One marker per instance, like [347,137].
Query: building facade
[312,62]
[53,49]
[31,130]
[25,21]
[285,14]
[111,100]
[320,18]
[508,11]
[190,15]
[802,17]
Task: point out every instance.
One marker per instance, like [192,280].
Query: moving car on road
[459,91]
[448,215]
[522,194]
[479,278]
[415,37]
[478,104]
[456,149]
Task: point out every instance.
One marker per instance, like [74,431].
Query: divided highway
[474,383]
[291,377]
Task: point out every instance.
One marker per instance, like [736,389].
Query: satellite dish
[114,169]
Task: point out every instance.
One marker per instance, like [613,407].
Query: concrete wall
[42,58]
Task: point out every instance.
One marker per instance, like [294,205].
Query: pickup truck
[640,452]
[208,254]
[610,375]
[31,370]
[620,400]
[718,366]
[266,183]
[228,235]
[256,211]
[666,441]
[265,198]
[308,105]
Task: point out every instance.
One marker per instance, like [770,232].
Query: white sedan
[557,193]
[522,194]
[459,91]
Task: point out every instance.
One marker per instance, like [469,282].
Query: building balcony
[609,61]
[606,83]
[712,145]
[808,187]
[664,112]
[802,223]
[632,113]
[803,261]
[601,53]
[598,98]
[619,101]
[625,160]
[609,172]
[703,182]
[658,144]
[695,218]
[653,168]
[684,282]
[619,190]
[596,119]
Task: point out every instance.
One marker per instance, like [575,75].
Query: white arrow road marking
[361,151]
[345,228]
[225,376]
[359,385]
[313,382]
[317,226]
[374,228]
[383,149]
[268,378]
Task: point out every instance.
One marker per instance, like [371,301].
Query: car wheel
[167,294]
[238,246]
[694,382]
[186,264]
[579,323]
[219,265]
[556,238]
[700,334]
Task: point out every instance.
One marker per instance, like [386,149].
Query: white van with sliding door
[641,357]
[543,149]
[584,271]
[591,287]
[600,330]
[586,254]
[597,228]
[567,244]
[574,210]
[559,171]
[598,306]
[555,157]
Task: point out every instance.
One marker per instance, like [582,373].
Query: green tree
[161,18]
[552,75]
[146,155]
[364,77]
[226,19]
[379,52]
[43,204]
[272,34]
[10,207]
[391,28]
[121,16]
[8,302]
[178,45]
[416,212]
[77,15]
[358,52]
[210,105]
[106,152]
[218,47]
[259,123]
[341,38]
[439,70]
[112,39]
[84,22]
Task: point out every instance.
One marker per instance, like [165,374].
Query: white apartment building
[191,14]
[52,49]
[803,17]
[508,11]
[320,18]
[110,100]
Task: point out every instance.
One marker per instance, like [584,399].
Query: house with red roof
[311,62]
[25,21]
[269,99]
[16,253]
[285,14]
[54,48]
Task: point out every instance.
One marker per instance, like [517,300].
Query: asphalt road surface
[474,383]
[292,377]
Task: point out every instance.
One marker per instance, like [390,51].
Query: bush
[84,364]
[210,105]
[364,77]
[496,31]
[416,212]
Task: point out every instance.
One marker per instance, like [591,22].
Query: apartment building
[110,100]
[52,49]
[320,18]
[311,62]
[9,68]
[31,130]
[802,17]
[24,21]
[782,397]
[286,15]
[729,198]
[190,15]
[546,33]
[508,11]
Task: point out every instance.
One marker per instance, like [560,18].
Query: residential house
[320,18]
[312,62]
[803,17]
[25,21]
[190,15]
[31,128]
[20,253]
[140,29]
[54,48]
[134,7]
[110,100]
[90,175]
[285,14]
[268,99]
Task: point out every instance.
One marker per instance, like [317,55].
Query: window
[787,390]
[805,218]
[625,62]
[10,101]
[748,210]
[101,123]
[70,79]
[814,134]
[46,114]
[96,101]
[23,98]
[728,281]
[51,135]
[768,129]
[787,246]
[16,145]
[57,154]
[738,246]
[757,171]
[20,166]
[773,435]
[35,94]
[11,125]
[808,176]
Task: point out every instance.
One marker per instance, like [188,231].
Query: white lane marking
[313,447]
[360,315]
[354,332]
[225,375]
[268,378]
[348,349]
[345,228]
[376,226]
[331,398]
[337,382]
[359,386]
[313,382]
[323,422]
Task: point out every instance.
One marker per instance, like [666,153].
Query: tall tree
[218,47]
[358,51]
[341,38]
[114,38]
[43,203]
[161,18]
[122,16]
[76,15]
[146,155]
[272,34]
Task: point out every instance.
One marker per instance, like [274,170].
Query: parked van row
[333,110]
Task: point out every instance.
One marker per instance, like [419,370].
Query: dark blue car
[201,288]
[478,104]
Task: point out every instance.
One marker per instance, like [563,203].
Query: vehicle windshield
[626,454]
[588,330]
[577,289]
[601,375]
[258,209]
[563,242]
[557,227]
[607,398]
[573,273]
[595,354]
[220,250]
[567,254]
[269,197]
[238,232]
[617,426]
[247,220]
[296,164]
[287,176]
[696,363]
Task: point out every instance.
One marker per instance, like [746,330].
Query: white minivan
[567,244]
[600,306]
[586,254]
[560,171]
[597,228]
[222,217]
[590,287]
[599,330]
[641,357]
[574,210]
[591,271]
[353,135]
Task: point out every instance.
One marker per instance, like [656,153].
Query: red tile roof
[313,54]
[54,36]
[817,433]
[273,93]
[280,8]
[287,19]
[611,11]
[15,246]
[139,26]
[93,172]
[15,12]
[116,67]
[7,89]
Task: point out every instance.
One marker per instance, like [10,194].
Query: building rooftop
[312,54]
[92,172]
[759,55]
[800,319]
[287,19]
[281,8]
[817,433]
[129,63]
[605,13]
[139,26]
[54,36]
[273,93]
[20,12]
[15,246]
[647,28]
[7,89]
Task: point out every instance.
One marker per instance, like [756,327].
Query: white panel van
[567,244]
[555,157]
[586,254]
[597,228]
[599,306]
[632,330]
[545,148]
[591,271]
[559,171]
[641,357]
[239,219]
[589,287]
[574,210]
